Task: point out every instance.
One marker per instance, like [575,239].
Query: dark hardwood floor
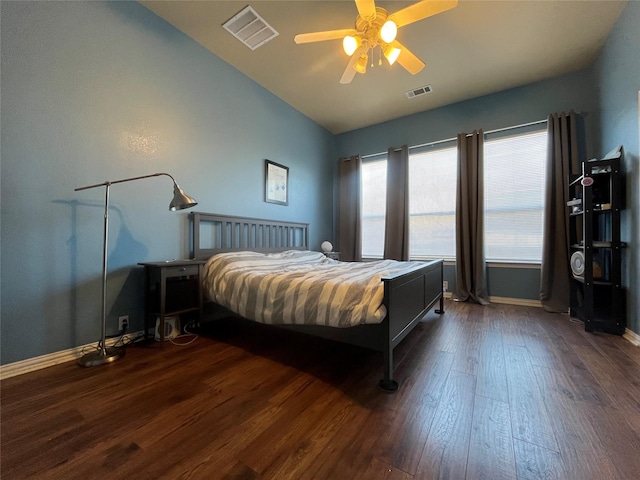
[496,392]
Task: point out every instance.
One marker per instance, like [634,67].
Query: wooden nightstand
[171,288]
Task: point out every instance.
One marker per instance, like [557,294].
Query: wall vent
[250,28]
[416,92]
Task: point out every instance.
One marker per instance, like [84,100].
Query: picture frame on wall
[276,189]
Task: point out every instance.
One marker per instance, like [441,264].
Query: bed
[407,293]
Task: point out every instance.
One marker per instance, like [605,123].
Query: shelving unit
[597,295]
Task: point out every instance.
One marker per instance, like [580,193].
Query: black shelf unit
[597,295]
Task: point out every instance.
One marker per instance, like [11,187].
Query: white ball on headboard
[326,246]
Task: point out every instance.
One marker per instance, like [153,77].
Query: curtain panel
[471,283]
[396,232]
[563,159]
[349,210]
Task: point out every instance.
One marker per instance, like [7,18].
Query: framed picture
[276,188]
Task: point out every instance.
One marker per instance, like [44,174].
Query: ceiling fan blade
[407,59]
[350,72]
[322,36]
[366,8]
[420,10]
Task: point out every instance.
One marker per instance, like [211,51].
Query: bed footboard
[408,296]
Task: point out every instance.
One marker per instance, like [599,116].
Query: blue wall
[95,91]
[508,108]
[618,78]
[606,94]
[504,109]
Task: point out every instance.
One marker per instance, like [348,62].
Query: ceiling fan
[375,27]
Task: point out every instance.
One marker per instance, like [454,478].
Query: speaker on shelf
[577,264]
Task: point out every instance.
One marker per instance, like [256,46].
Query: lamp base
[100,357]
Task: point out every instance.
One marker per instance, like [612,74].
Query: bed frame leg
[388,384]
[440,310]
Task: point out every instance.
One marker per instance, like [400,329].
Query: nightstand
[171,288]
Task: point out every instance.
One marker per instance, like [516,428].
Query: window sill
[523,265]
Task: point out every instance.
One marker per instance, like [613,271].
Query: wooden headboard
[212,233]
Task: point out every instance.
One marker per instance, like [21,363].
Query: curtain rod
[430,144]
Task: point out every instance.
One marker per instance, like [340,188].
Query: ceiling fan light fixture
[388,31]
[350,44]
[376,28]
[391,54]
[361,65]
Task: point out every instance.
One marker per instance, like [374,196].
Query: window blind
[432,201]
[374,205]
[514,175]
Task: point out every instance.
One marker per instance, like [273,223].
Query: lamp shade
[388,31]
[180,199]
[391,54]
[326,246]
[350,44]
[361,65]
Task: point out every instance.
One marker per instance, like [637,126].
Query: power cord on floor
[123,340]
[186,334]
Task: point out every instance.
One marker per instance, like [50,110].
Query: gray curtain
[396,232]
[471,283]
[349,227]
[562,160]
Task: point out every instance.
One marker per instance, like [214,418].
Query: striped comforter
[296,287]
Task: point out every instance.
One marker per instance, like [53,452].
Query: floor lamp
[180,201]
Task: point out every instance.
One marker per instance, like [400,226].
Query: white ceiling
[479,47]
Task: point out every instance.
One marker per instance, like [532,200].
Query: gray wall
[96,91]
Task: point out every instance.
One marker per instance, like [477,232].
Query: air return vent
[417,92]
[250,28]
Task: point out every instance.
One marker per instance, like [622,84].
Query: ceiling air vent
[416,92]
[250,28]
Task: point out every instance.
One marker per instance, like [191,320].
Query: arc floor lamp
[180,201]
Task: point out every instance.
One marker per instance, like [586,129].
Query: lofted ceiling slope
[478,48]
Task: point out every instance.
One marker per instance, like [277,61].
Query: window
[514,176]
[514,173]
[374,206]
[432,202]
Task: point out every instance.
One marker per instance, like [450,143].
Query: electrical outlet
[123,322]
[445,286]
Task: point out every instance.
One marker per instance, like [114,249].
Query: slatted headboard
[212,233]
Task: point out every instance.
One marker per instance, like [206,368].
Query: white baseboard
[632,337]
[506,300]
[525,302]
[43,361]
